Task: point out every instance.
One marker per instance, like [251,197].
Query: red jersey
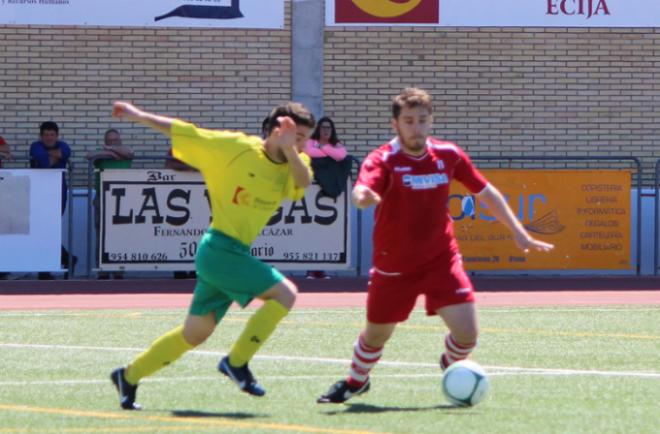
[412,222]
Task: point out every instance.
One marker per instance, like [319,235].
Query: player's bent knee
[196,337]
[288,294]
[197,329]
[466,337]
[285,293]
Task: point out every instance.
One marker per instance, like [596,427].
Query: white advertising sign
[154,220]
[500,13]
[146,13]
[30,220]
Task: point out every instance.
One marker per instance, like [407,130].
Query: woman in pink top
[324,141]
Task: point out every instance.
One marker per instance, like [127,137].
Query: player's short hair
[48,126]
[411,97]
[296,111]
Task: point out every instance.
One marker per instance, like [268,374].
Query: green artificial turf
[552,370]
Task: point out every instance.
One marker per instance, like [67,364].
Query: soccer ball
[465,383]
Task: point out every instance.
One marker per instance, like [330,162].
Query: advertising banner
[257,14]
[30,220]
[381,12]
[501,13]
[584,213]
[154,220]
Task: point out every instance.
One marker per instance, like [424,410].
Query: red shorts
[391,297]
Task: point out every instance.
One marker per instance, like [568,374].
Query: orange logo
[242,197]
[387,11]
[386,8]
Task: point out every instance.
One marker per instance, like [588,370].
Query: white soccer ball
[465,383]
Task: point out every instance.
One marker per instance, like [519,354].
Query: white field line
[206,379]
[198,378]
[494,370]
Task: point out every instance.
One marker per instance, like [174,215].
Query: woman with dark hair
[331,167]
[324,141]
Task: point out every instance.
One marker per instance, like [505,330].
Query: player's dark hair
[296,111]
[333,135]
[110,131]
[48,126]
[411,97]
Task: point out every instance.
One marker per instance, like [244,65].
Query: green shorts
[227,272]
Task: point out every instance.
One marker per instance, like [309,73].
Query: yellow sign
[584,213]
[386,8]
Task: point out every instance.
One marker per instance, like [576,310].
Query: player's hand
[285,134]
[527,243]
[125,110]
[364,197]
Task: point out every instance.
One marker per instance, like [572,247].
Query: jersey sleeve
[468,175]
[292,191]
[374,173]
[201,148]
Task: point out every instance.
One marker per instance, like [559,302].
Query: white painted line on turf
[568,309]
[550,371]
[197,378]
[346,362]
[496,372]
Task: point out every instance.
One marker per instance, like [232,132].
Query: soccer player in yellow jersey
[247,178]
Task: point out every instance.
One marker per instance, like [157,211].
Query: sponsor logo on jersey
[425,182]
[402,169]
[241,197]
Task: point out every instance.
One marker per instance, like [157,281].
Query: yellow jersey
[245,186]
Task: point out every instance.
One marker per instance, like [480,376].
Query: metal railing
[160,159]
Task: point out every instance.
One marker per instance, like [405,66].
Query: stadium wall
[541,91]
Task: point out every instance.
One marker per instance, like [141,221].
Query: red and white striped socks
[364,359]
[454,351]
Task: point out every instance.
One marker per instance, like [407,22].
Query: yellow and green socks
[259,327]
[162,352]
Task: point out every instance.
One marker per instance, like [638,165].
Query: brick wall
[216,78]
[509,91]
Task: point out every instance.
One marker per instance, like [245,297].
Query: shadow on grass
[228,415]
[368,408]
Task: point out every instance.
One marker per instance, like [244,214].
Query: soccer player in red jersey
[414,248]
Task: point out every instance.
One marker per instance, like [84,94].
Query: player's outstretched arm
[364,197]
[501,210]
[127,111]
